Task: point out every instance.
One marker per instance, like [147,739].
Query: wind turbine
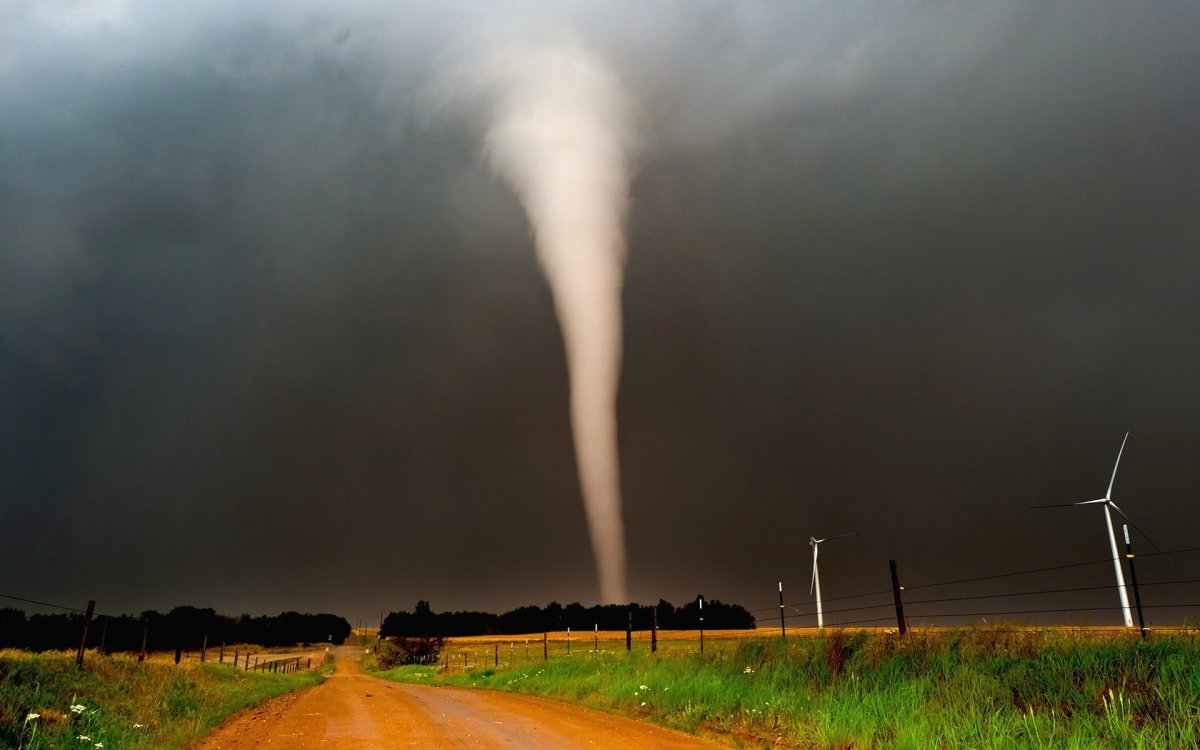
[815,584]
[1108,504]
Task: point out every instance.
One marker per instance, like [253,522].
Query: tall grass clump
[976,687]
[117,703]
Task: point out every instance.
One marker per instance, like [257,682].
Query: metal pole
[896,594]
[629,632]
[701,600]
[1126,615]
[1137,595]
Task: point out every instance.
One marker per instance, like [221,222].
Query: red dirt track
[353,710]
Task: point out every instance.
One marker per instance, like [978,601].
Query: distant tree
[12,628]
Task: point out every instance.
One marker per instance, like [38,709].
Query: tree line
[423,621]
[182,627]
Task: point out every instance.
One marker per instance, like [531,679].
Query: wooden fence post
[145,636]
[87,621]
[654,630]
[204,649]
[782,625]
[899,603]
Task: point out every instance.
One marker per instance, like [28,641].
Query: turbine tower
[1109,505]
[815,585]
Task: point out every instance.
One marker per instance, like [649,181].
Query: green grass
[125,704]
[974,688]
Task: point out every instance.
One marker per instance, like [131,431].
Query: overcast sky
[272,335]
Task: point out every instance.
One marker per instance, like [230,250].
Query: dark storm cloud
[271,336]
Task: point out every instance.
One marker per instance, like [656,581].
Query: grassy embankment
[977,688]
[124,704]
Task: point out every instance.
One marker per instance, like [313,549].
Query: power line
[1169,552]
[1031,571]
[1052,611]
[41,604]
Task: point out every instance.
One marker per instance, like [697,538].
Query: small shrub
[400,651]
[837,651]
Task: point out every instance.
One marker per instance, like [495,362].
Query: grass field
[968,688]
[114,702]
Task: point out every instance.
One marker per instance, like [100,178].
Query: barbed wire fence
[922,612]
[865,610]
[262,662]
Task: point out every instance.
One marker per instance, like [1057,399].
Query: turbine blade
[1108,495]
[840,536]
[812,582]
[1056,505]
[1134,526]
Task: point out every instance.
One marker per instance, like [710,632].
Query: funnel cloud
[560,133]
[902,268]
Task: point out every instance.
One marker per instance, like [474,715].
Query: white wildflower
[99,744]
[747,670]
[643,687]
[78,708]
[84,738]
[643,703]
[32,716]
[138,726]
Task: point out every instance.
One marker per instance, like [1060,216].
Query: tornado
[560,132]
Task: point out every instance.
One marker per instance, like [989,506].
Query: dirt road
[353,710]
